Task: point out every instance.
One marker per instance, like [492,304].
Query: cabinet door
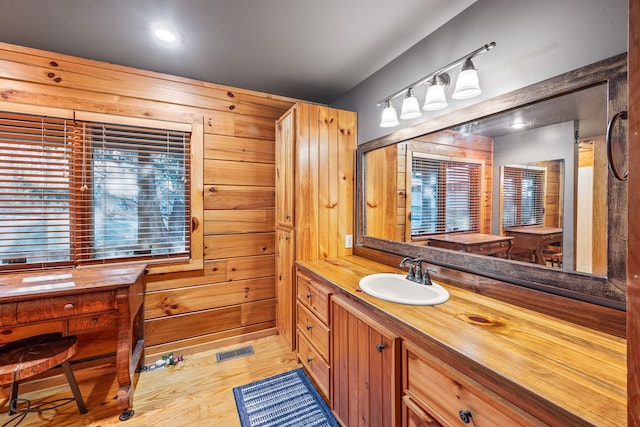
[284,285]
[285,143]
[365,357]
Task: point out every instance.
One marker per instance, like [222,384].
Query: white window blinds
[522,195]
[445,195]
[35,197]
[137,181]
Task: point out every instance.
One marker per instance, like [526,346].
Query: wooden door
[284,286]
[365,356]
[285,145]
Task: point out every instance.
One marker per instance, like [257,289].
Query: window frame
[194,259]
[518,195]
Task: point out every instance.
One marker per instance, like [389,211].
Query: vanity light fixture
[436,99]
[467,86]
[389,116]
[410,108]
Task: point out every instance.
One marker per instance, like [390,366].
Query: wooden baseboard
[191,346]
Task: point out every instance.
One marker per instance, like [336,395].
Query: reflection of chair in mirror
[553,255]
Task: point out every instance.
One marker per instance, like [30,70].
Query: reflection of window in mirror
[523,195]
[445,195]
[451,184]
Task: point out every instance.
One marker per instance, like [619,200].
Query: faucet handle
[427,278]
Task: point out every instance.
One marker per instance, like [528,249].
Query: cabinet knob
[379,347]
[465,415]
[309,359]
[68,306]
[287,217]
[309,295]
[309,327]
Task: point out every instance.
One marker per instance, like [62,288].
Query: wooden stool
[25,358]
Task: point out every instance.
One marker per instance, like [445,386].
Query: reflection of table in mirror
[536,239]
[475,243]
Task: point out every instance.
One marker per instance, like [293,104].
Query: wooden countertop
[546,366]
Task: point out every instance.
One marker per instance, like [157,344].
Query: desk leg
[540,255]
[130,352]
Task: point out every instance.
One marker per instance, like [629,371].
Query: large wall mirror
[516,188]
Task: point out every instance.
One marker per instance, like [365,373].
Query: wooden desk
[535,238]
[84,299]
[476,243]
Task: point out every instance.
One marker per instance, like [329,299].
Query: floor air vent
[232,354]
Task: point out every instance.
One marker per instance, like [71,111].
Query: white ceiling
[315,50]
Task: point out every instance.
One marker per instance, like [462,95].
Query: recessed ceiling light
[165,35]
[518,125]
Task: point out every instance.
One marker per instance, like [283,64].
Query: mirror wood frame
[610,290]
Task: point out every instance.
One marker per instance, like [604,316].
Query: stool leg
[13,396]
[74,387]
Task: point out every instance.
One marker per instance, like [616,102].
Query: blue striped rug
[287,399]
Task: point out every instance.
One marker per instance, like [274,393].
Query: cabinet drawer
[65,306]
[314,330]
[415,416]
[445,393]
[315,366]
[315,296]
[95,321]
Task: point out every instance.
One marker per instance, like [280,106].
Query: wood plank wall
[234,293]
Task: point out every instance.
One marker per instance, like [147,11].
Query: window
[82,192]
[445,195]
[523,195]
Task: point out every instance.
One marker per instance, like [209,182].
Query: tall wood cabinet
[315,173]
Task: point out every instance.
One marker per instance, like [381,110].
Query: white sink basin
[396,288]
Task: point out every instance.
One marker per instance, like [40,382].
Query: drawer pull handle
[68,306]
[309,327]
[309,359]
[379,347]
[309,295]
[465,415]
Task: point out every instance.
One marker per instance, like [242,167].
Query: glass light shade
[389,117]
[435,99]
[410,107]
[467,85]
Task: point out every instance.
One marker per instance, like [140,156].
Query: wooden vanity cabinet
[436,394]
[365,358]
[313,331]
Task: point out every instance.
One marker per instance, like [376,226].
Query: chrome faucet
[416,272]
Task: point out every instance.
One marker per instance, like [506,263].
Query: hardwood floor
[195,392]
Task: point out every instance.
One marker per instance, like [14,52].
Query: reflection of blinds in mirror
[523,196]
[445,196]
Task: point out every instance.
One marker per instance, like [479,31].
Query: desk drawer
[94,321]
[65,306]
